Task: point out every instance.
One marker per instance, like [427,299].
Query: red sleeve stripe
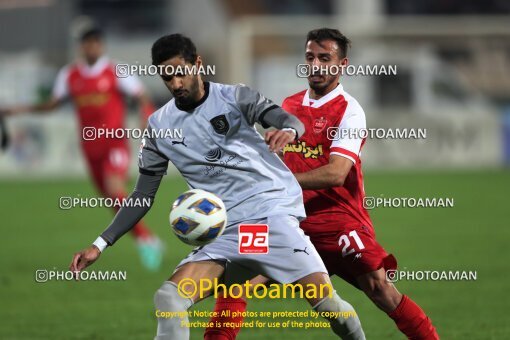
[344,152]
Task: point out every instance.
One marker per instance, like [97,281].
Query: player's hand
[277,139]
[83,259]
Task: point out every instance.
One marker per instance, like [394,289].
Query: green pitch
[473,235]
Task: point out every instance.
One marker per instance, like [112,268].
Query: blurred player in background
[328,169]
[97,94]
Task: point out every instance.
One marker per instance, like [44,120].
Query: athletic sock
[412,321]
[226,308]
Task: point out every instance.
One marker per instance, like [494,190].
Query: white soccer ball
[198,217]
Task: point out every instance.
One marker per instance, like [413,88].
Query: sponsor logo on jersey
[253,238]
[301,251]
[319,125]
[220,124]
[307,150]
[220,161]
[96,99]
[175,142]
[213,155]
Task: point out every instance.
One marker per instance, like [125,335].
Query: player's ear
[344,62]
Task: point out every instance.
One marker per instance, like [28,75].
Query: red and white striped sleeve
[349,144]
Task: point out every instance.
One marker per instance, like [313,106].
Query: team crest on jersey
[319,124]
[103,84]
[220,124]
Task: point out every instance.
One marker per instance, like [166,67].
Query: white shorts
[291,255]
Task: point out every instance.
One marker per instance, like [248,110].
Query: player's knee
[168,299]
[332,307]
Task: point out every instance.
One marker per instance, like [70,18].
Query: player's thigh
[290,257]
[243,291]
[352,252]
[316,287]
[191,276]
[285,254]
[257,283]
[260,280]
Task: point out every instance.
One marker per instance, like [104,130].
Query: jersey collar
[193,106]
[95,69]
[307,101]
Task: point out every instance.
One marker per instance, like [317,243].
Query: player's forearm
[37,108]
[125,219]
[128,217]
[280,119]
[50,105]
[326,176]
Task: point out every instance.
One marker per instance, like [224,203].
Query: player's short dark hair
[322,34]
[173,45]
[91,33]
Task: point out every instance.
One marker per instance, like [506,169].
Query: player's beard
[191,97]
[322,87]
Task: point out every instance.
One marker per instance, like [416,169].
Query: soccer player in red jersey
[97,94]
[326,162]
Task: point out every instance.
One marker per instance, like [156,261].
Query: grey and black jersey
[220,151]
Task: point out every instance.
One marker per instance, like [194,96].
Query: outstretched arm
[126,218]
[153,165]
[47,106]
[59,94]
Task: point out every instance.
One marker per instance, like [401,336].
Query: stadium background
[453,62]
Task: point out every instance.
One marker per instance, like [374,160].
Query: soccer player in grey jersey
[222,152]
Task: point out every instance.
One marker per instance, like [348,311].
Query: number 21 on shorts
[345,243]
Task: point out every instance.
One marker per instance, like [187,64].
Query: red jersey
[96,92]
[338,207]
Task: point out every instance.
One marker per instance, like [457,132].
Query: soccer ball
[198,217]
